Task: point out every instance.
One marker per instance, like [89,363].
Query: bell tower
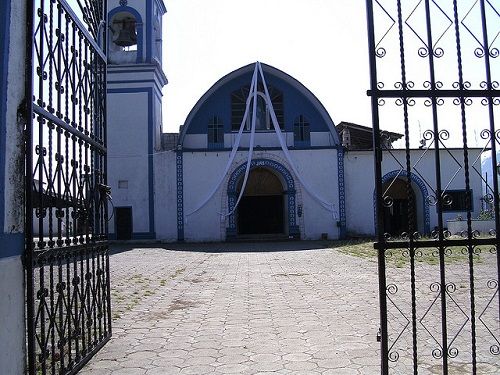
[135,81]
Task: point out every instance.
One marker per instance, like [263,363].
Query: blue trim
[144,236]
[180,195]
[151,132]
[11,244]
[423,190]
[149,91]
[121,71]
[260,148]
[297,100]
[302,144]
[132,69]
[217,146]
[293,229]
[136,236]
[139,27]
[341,182]
[4,61]
[138,81]
[149,30]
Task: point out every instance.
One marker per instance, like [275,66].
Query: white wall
[128,155]
[202,171]
[319,170]
[359,185]
[262,138]
[359,174]
[165,196]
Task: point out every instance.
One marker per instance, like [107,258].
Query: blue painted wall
[219,103]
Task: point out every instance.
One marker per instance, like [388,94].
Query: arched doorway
[397,215]
[261,209]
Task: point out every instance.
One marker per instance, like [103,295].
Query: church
[258,156]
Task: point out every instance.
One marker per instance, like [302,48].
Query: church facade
[295,175]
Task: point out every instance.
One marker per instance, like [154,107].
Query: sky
[321,43]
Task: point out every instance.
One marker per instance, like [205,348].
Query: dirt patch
[176,305]
[197,280]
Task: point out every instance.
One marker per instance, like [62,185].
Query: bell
[126,36]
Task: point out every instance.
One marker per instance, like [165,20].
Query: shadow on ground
[224,247]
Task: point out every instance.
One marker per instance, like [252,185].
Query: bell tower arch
[126,40]
[135,81]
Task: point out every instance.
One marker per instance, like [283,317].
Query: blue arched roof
[298,100]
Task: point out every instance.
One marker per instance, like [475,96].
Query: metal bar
[83,29]
[435,243]
[384,346]
[78,366]
[439,198]
[58,122]
[467,184]
[409,192]
[494,161]
[28,174]
[434,93]
[55,305]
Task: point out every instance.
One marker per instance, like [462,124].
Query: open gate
[66,257]
[435,72]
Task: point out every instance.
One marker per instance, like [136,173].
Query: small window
[301,132]
[122,184]
[215,133]
[457,200]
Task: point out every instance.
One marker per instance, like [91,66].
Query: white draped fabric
[253,95]
[325,204]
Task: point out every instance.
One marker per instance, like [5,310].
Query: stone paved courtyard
[285,308]
[297,307]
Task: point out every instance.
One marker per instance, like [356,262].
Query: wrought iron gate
[66,257]
[435,71]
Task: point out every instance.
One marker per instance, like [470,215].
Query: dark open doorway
[397,216]
[260,210]
[123,223]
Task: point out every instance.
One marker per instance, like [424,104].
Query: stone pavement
[295,308]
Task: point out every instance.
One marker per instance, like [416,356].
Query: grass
[363,248]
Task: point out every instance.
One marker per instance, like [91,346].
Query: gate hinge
[379,335]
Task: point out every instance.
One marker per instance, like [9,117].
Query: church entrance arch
[268,204]
[420,200]
[260,210]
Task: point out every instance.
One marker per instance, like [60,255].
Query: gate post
[12,329]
